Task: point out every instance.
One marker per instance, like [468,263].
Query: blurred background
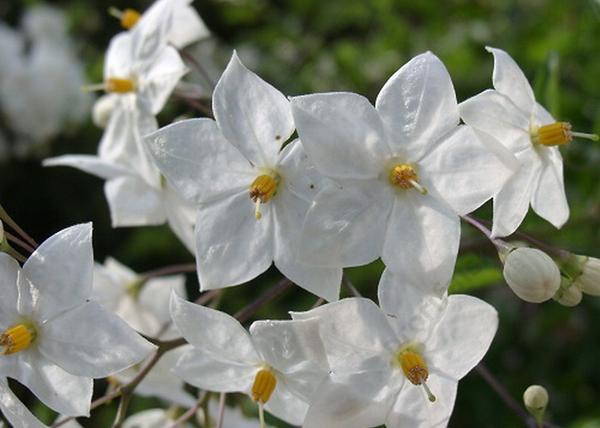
[303,46]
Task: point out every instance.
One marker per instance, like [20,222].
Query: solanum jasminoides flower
[136,192]
[54,339]
[531,274]
[511,115]
[251,194]
[397,364]
[402,174]
[276,364]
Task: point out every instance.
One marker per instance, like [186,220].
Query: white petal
[219,336]
[189,27]
[543,116]
[60,270]
[342,134]
[151,32]
[466,171]
[289,214]
[215,373]
[413,409]
[198,161]
[157,291]
[549,199]
[412,308]
[462,336]
[133,202]
[509,80]
[63,392]
[232,246]
[422,240]
[160,78]
[90,164]
[512,202]
[181,216]
[495,114]
[287,406]
[356,334]
[293,348]
[118,61]
[253,115]
[346,224]
[9,270]
[354,401]
[90,341]
[14,411]
[418,105]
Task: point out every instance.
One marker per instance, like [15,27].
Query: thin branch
[350,286]
[190,412]
[498,243]
[167,270]
[19,242]
[198,67]
[205,110]
[245,313]
[221,410]
[8,220]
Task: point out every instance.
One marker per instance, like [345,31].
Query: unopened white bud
[589,280]
[102,110]
[535,399]
[531,274]
[568,294]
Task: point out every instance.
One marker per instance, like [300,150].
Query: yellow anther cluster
[119,85]
[405,177]
[129,17]
[17,338]
[264,385]
[554,134]
[262,190]
[413,366]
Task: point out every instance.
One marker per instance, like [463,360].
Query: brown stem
[273,292]
[199,68]
[205,110]
[221,410]
[191,411]
[167,270]
[19,242]
[8,220]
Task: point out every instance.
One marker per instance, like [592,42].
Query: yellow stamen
[127,17]
[405,177]
[414,367]
[119,85]
[17,338]
[262,190]
[557,134]
[264,385]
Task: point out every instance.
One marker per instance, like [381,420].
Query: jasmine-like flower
[54,339]
[251,195]
[399,363]
[404,171]
[276,364]
[511,115]
[136,192]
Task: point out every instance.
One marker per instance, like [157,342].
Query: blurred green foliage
[306,46]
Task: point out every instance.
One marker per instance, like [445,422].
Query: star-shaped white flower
[55,339]
[251,195]
[511,115]
[136,192]
[276,364]
[398,364]
[404,171]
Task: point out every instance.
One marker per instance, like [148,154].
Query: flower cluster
[311,184]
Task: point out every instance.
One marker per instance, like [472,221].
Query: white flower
[136,192]
[251,196]
[400,364]
[531,274]
[511,115]
[166,21]
[55,339]
[276,363]
[404,172]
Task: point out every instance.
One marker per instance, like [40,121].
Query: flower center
[414,367]
[128,17]
[119,85]
[557,134]
[405,177]
[264,385]
[262,190]
[17,338]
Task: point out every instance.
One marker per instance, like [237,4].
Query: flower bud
[568,294]
[531,274]
[535,399]
[102,110]
[589,280]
